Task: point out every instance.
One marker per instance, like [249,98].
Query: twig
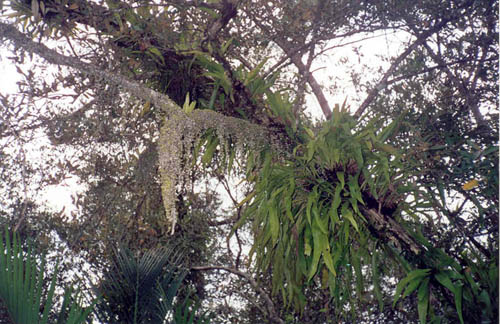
[294,55]
[467,92]
[383,81]
[22,215]
[270,306]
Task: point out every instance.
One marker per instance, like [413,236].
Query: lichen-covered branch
[22,41]
[178,127]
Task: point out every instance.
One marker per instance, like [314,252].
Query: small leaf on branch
[188,107]
[470,185]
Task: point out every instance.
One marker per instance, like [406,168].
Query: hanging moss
[180,131]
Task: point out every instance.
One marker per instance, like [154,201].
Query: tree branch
[269,303]
[203,118]
[382,84]
[466,92]
[228,10]
[294,55]
[316,88]
[20,40]
[177,122]
[386,228]
[430,69]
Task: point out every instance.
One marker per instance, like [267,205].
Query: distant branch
[430,69]
[295,54]
[22,214]
[269,303]
[466,92]
[382,84]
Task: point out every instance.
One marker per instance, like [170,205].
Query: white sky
[56,196]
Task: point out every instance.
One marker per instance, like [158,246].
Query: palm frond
[132,286]
[22,275]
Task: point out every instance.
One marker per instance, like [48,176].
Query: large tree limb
[382,84]
[204,119]
[20,40]
[177,122]
[386,228]
[272,313]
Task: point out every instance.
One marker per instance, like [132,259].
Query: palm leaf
[140,289]
[22,275]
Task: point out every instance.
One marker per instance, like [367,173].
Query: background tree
[166,97]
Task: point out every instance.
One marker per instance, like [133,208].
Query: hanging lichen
[177,137]
[176,130]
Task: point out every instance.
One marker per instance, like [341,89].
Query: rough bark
[389,230]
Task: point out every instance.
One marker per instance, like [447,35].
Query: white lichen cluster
[179,133]
[170,156]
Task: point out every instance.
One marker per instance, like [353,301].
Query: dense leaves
[305,210]
[190,118]
[23,277]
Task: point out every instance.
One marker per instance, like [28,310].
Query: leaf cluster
[306,210]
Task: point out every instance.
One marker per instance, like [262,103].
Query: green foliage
[306,209]
[462,284]
[22,277]
[185,313]
[432,169]
[140,289]
[310,230]
[188,107]
[216,71]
